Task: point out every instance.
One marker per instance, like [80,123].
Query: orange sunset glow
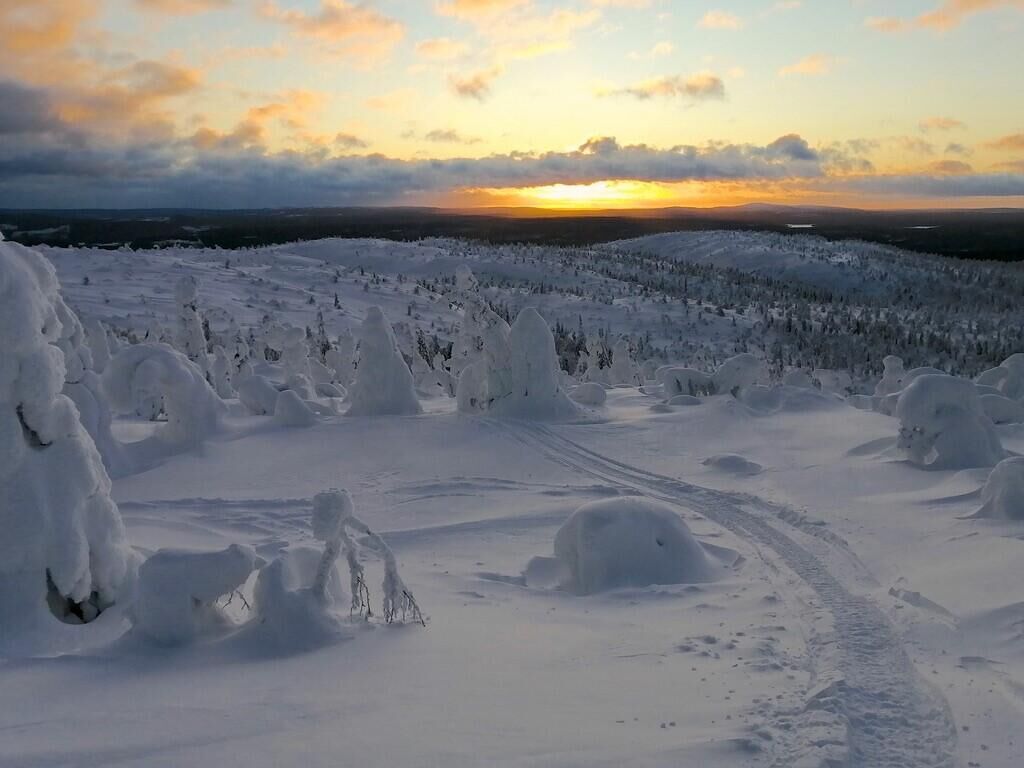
[563,104]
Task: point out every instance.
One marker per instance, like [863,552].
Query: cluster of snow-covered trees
[62,381]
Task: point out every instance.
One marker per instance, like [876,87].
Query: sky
[551,103]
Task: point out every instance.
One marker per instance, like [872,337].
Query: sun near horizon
[559,104]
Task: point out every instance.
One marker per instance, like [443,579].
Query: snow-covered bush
[684,381]
[624,370]
[589,393]
[178,592]
[1003,493]
[383,384]
[1007,377]
[220,372]
[258,395]
[1002,410]
[190,338]
[799,379]
[99,344]
[943,424]
[625,542]
[192,408]
[738,373]
[290,410]
[299,603]
[62,533]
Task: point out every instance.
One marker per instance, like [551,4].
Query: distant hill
[974,234]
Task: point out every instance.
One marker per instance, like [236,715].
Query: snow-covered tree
[383,383]
[192,408]
[624,370]
[63,542]
[943,425]
[220,372]
[341,359]
[518,375]
[190,338]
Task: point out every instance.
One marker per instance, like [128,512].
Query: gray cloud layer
[46,163]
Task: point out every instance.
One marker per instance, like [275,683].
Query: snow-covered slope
[849,608]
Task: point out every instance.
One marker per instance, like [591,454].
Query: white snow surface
[861,614]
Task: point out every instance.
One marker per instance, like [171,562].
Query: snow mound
[290,615]
[739,372]
[258,395]
[677,380]
[628,542]
[178,590]
[290,410]
[762,400]
[383,383]
[684,400]
[1003,493]
[147,371]
[733,464]
[943,425]
[1002,410]
[61,530]
[589,393]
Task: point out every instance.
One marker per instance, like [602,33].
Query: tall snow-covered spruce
[63,543]
[383,383]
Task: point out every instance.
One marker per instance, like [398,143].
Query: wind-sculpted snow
[870,707]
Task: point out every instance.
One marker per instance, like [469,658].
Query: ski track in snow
[869,707]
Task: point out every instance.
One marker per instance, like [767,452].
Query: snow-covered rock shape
[733,463]
[383,384]
[627,542]
[624,370]
[190,338]
[178,590]
[1003,494]
[192,408]
[60,526]
[943,425]
[527,384]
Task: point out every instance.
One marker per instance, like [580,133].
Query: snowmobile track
[868,685]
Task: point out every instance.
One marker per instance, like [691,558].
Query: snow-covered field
[835,599]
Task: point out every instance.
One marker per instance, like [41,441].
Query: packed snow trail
[892,717]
